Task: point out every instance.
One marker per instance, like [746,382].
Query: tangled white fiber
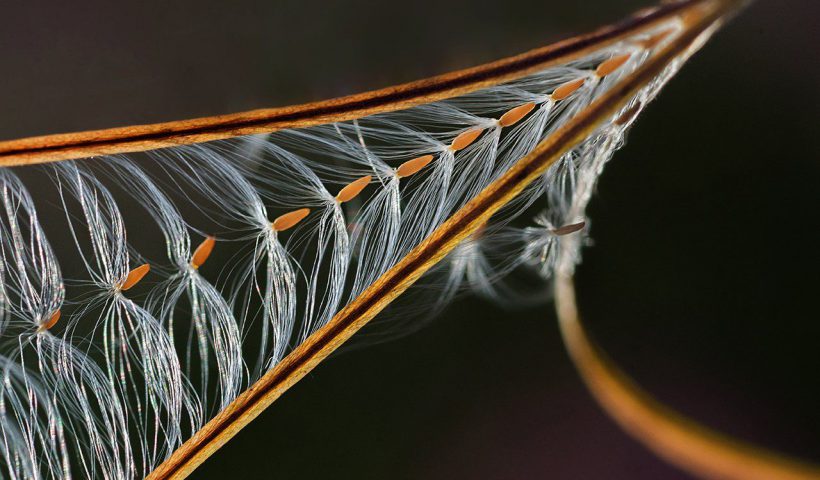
[110,368]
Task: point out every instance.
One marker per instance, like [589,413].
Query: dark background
[702,282]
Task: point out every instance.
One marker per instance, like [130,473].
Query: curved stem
[677,439]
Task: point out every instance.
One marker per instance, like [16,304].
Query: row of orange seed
[406,169]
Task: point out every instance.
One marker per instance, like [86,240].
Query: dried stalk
[680,441]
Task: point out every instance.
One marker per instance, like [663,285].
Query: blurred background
[701,283]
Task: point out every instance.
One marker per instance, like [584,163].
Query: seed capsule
[609,66]
[134,276]
[411,167]
[465,139]
[567,229]
[202,252]
[515,115]
[566,89]
[353,189]
[289,220]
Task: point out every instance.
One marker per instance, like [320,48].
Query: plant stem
[677,439]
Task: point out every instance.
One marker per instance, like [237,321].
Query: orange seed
[566,89]
[413,166]
[134,276]
[353,189]
[289,220]
[51,321]
[609,66]
[203,251]
[465,139]
[567,229]
[514,115]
